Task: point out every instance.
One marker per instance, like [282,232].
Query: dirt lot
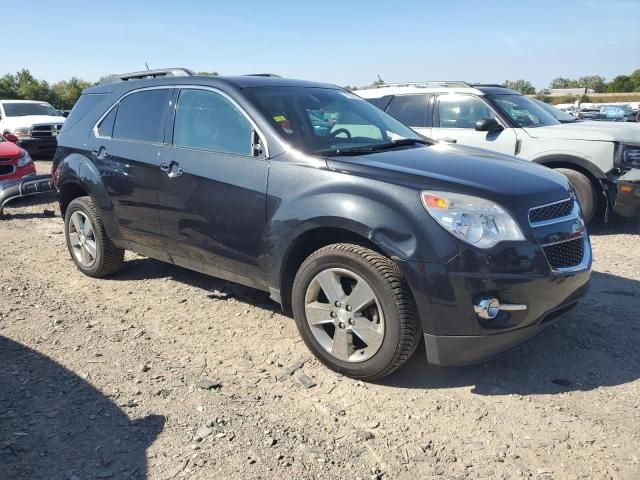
[162,373]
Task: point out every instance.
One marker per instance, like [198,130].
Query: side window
[381,102]
[409,109]
[207,121]
[82,107]
[141,116]
[105,129]
[461,111]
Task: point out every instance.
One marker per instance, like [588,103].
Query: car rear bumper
[39,146]
[627,202]
[446,294]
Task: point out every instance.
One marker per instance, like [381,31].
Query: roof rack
[487,85]
[261,75]
[430,83]
[160,72]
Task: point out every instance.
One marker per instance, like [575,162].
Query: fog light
[488,308]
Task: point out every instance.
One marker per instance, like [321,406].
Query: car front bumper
[45,146]
[627,202]
[445,296]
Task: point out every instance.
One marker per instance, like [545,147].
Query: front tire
[354,311]
[584,191]
[91,249]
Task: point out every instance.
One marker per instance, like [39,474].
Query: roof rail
[487,85]
[160,72]
[430,83]
[261,75]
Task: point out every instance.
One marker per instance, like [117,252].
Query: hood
[462,169]
[588,130]
[9,149]
[29,120]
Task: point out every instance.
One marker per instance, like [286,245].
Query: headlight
[479,222]
[24,160]
[22,132]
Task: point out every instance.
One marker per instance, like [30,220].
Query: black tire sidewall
[76,205]
[584,191]
[387,352]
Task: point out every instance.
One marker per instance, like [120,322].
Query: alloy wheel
[344,315]
[82,239]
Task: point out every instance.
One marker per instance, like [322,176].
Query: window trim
[436,110]
[172,113]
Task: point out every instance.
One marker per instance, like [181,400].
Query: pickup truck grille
[565,254]
[40,131]
[551,211]
[6,169]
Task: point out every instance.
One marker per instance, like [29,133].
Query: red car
[15,163]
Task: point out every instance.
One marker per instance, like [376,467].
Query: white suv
[33,125]
[601,161]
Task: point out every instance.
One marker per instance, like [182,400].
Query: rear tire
[375,317]
[91,249]
[584,191]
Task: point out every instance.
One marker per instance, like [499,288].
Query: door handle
[449,140]
[172,169]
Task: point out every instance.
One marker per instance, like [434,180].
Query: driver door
[455,118]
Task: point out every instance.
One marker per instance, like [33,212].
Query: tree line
[62,95]
[620,84]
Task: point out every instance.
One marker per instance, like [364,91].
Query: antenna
[146,65]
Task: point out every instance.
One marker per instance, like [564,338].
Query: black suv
[371,235]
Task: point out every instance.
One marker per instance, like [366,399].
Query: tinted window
[141,116]
[208,121]
[84,105]
[461,111]
[409,109]
[523,111]
[381,102]
[105,129]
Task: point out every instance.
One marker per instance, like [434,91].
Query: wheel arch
[575,163]
[308,242]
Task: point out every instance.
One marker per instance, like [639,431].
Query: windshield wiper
[375,148]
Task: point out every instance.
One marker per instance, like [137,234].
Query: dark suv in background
[371,235]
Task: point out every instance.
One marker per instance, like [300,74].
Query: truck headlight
[22,132]
[476,221]
[24,160]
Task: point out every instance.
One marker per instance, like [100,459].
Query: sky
[344,43]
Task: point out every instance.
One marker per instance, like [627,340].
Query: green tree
[522,86]
[30,88]
[67,92]
[596,82]
[208,74]
[562,82]
[622,83]
[8,87]
[635,79]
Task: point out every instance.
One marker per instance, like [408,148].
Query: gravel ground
[163,373]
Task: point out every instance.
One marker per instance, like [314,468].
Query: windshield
[558,114]
[328,121]
[523,111]
[24,109]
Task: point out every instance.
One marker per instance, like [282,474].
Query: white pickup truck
[33,125]
[601,159]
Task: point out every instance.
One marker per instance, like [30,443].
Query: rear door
[455,118]
[124,147]
[212,192]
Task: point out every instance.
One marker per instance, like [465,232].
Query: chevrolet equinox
[370,234]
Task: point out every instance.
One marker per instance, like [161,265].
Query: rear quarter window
[85,104]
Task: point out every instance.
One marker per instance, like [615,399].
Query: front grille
[552,211]
[565,254]
[40,131]
[6,169]
[632,156]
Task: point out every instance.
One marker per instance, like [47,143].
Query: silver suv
[602,160]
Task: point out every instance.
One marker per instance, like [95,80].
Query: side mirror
[10,137]
[488,125]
